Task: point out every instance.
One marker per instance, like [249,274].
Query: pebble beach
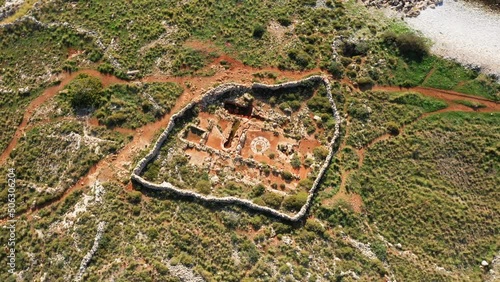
[466,32]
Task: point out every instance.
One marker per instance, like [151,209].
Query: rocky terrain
[474,42]
[9,8]
[410,8]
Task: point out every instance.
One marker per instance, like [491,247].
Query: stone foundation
[208,98]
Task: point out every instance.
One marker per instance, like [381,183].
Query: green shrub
[295,161]
[295,202]
[286,175]
[392,128]
[365,82]
[359,111]
[272,199]
[203,186]
[232,188]
[284,21]
[106,68]
[335,69]
[380,250]
[258,31]
[257,191]
[429,104]
[320,153]
[409,44]
[134,197]
[84,91]
[470,104]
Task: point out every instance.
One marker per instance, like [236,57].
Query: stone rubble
[86,259]
[494,269]
[183,273]
[9,8]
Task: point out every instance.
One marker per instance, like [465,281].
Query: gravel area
[464,32]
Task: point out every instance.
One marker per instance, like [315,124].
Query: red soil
[45,96]
[446,95]
[193,137]
[204,117]
[215,140]
[197,157]
[307,146]
[118,167]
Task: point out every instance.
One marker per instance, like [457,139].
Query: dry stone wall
[208,98]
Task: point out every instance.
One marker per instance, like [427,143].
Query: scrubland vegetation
[430,184]
[52,157]
[119,105]
[433,188]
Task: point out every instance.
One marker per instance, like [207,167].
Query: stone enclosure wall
[208,98]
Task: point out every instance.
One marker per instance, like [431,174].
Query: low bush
[84,91]
[416,99]
[295,202]
[203,186]
[258,31]
[410,45]
[272,199]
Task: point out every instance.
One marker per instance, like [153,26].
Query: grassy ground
[24,79]
[373,112]
[119,105]
[219,244]
[432,188]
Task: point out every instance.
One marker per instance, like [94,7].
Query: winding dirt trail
[117,167]
[50,92]
[449,97]
[445,95]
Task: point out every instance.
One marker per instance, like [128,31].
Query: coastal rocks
[409,8]
[9,8]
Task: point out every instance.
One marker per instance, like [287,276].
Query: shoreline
[486,5]
[462,31]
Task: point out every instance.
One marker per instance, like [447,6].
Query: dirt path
[446,95]
[450,97]
[44,97]
[117,167]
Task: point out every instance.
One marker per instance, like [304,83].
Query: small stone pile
[409,8]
